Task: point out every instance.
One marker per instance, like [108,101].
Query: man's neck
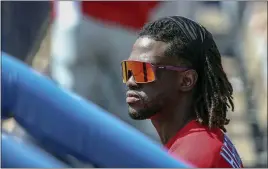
[167,124]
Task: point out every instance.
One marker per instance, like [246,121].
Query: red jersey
[204,148]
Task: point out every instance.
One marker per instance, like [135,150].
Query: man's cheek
[150,97]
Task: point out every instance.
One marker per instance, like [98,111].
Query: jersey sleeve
[228,156]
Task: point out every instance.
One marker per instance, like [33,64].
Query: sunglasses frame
[161,67]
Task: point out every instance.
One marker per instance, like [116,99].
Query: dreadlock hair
[194,45]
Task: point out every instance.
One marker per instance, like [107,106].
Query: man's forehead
[148,50]
[144,42]
[149,44]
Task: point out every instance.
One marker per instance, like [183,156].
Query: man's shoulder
[212,145]
[197,145]
[205,137]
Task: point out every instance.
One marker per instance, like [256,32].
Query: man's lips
[132,100]
[132,97]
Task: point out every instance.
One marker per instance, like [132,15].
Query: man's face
[147,99]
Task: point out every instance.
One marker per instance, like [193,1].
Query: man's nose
[131,83]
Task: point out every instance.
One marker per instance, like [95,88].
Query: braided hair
[194,46]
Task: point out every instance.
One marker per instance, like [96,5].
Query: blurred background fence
[80,46]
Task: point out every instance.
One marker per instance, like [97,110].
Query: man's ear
[187,80]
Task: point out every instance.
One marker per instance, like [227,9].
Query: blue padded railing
[68,124]
[16,154]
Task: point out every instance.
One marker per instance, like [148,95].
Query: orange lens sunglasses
[144,72]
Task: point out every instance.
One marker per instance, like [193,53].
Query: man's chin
[136,116]
[140,114]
